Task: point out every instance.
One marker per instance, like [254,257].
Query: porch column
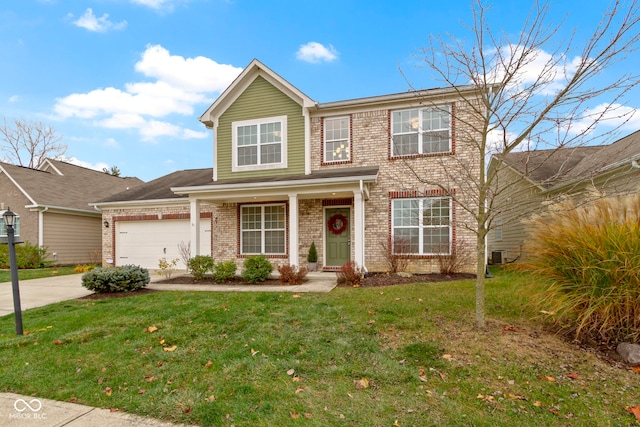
[293,230]
[194,220]
[358,233]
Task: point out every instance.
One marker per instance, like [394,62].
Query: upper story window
[337,139]
[421,131]
[3,228]
[260,144]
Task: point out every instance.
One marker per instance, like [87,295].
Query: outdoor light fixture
[9,221]
[106,224]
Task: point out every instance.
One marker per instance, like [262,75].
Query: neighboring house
[527,181]
[52,204]
[288,171]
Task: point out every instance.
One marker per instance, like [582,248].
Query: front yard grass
[37,273]
[405,355]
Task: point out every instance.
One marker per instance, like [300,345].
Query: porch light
[106,224]
[9,218]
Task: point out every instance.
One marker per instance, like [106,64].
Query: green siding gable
[261,99]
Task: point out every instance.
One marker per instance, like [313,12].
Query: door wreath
[337,223]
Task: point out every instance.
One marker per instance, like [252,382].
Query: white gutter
[45,208]
[128,203]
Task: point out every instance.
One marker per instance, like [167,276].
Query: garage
[144,243]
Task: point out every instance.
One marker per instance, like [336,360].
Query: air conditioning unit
[497,257]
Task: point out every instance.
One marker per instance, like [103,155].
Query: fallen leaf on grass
[299,390]
[210,398]
[361,384]
[254,352]
[447,356]
[294,415]
[150,329]
[291,371]
[537,403]
[108,391]
[208,364]
[58,342]
[150,378]
[371,322]
[295,296]
[516,397]
[550,379]
[142,391]
[636,369]
[73,400]
[485,398]
[573,375]
[172,348]
[307,415]
[510,328]
[396,423]
[635,410]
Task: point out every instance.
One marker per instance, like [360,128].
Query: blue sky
[124,81]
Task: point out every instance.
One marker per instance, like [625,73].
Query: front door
[338,236]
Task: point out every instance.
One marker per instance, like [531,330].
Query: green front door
[338,236]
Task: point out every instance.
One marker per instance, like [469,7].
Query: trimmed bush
[200,265]
[224,271]
[291,275]
[256,269]
[125,278]
[589,257]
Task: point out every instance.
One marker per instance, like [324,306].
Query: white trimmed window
[260,144]
[422,226]
[498,230]
[337,139]
[421,131]
[3,228]
[263,229]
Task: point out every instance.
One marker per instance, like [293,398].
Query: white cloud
[75,161]
[111,143]
[315,52]
[14,98]
[90,22]
[179,85]
[610,115]
[158,4]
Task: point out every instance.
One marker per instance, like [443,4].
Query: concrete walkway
[26,411]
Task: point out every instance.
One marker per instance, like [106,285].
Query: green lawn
[406,354]
[5,275]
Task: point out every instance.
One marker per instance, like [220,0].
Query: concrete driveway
[39,292]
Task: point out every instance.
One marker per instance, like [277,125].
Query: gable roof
[63,185]
[247,76]
[160,188]
[557,167]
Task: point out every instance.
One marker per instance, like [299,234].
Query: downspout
[364,252]
[41,226]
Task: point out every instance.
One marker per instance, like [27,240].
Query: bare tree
[548,108]
[29,143]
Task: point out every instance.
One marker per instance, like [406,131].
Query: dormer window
[260,144]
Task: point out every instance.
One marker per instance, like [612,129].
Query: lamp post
[9,221]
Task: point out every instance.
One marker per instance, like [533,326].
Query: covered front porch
[280,217]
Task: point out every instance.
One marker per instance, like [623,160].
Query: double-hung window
[263,229]
[337,139]
[421,131]
[3,227]
[260,144]
[422,226]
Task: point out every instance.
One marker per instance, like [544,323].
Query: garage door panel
[145,242]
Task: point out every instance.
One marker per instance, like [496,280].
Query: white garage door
[144,243]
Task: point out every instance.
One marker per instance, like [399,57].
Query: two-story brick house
[288,171]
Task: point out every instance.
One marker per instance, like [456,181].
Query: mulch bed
[371,281]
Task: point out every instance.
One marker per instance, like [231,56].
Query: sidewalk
[26,411]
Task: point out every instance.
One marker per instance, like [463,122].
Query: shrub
[200,265]
[167,267]
[589,256]
[291,275]
[256,269]
[350,275]
[124,278]
[396,254]
[312,256]
[457,260]
[27,256]
[224,271]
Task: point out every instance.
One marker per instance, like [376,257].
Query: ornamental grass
[589,258]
